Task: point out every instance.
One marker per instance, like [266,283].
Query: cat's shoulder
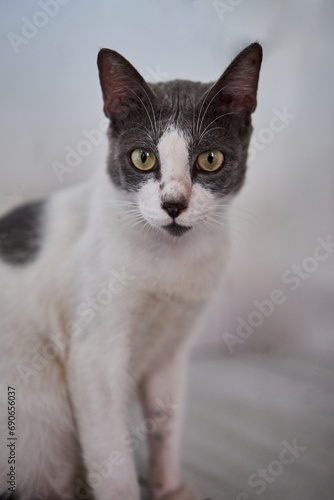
[21,232]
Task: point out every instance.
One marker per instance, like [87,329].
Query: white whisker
[218,117]
[144,106]
[206,93]
[220,90]
[152,108]
[210,130]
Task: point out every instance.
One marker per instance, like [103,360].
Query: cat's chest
[152,297]
[159,323]
[163,309]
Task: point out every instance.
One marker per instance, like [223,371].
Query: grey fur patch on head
[20,233]
[213,116]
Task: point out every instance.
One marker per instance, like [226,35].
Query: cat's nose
[174,208]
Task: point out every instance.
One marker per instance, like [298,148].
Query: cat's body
[101,286]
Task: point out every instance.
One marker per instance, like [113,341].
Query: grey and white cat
[101,285]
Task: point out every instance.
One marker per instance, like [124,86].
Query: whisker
[145,131]
[200,111]
[144,106]
[193,121]
[122,202]
[220,90]
[225,224]
[147,228]
[210,130]
[132,210]
[218,222]
[132,217]
[221,116]
[243,215]
[131,223]
[152,108]
[160,114]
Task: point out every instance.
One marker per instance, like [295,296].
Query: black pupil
[143,157]
[210,158]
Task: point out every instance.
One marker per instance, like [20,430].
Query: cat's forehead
[177,100]
[170,116]
[179,91]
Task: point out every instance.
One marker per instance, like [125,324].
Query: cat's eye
[211,160]
[143,159]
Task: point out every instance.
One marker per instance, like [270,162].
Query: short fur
[21,233]
[102,284]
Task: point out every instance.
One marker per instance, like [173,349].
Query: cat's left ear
[237,87]
[123,87]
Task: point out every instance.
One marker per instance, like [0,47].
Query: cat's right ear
[122,86]
[236,89]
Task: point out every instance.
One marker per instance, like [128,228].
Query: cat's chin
[176,229]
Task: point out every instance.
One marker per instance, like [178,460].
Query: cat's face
[179,148]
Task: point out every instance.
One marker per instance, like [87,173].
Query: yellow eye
[142,159]
[210,160]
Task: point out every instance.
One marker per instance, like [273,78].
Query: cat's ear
[237,87]
[122,86]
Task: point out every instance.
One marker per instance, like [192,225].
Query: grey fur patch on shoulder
[20,233]
[9,496]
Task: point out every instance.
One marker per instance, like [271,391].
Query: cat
[103,283]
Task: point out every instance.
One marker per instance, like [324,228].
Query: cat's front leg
[98,390]
[162,396]
[183,493]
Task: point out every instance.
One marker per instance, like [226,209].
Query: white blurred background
[50,93]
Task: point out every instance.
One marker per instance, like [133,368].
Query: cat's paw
[183,493]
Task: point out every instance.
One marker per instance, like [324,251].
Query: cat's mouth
[176,229]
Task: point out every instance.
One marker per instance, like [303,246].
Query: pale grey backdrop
[282,371]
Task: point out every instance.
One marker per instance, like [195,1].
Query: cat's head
[179,148]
